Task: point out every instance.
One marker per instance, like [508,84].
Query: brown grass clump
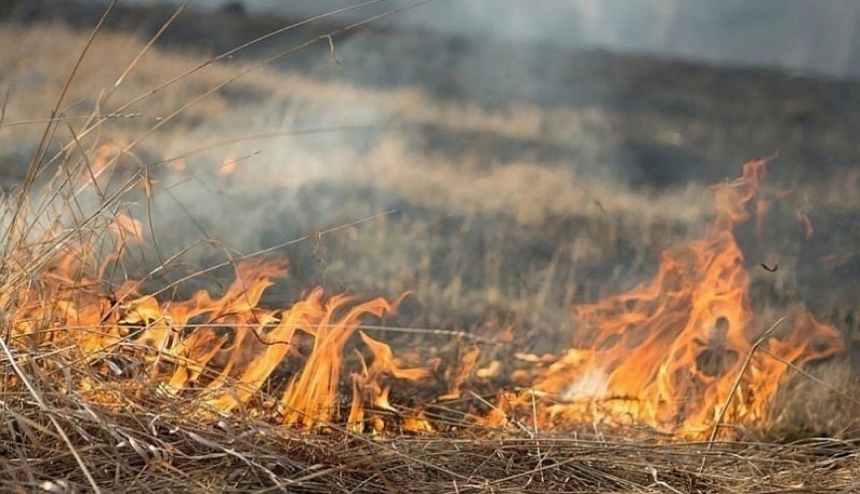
[58,443]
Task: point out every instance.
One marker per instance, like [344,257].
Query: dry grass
[151,451]
[478,241]
[153,446]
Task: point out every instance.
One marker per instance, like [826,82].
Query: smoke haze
[798,35]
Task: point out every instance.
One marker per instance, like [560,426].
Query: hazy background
[798,35]
[527,173]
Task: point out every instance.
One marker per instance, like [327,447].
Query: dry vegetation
[481,244]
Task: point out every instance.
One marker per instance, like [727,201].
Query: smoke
[515,167]
[797,35]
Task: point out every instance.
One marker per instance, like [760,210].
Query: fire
[677,353]
[219,351]
[227,168]
[682,353]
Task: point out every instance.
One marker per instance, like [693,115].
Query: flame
[677,352]
[220,349]
[227,168]
[682,353]
[103,157]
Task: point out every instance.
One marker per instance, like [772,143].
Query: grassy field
[492,216]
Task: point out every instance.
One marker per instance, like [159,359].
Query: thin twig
[722,413]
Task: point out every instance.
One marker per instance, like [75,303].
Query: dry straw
[54,439]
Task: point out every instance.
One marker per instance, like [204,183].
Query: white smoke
[798,35]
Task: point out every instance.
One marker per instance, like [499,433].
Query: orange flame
[227,168]
[225,349]
[669,352]
[681,353]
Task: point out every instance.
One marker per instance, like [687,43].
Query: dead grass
[118,434]
[154,447]
[500,242]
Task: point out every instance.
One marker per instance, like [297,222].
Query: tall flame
[677,352]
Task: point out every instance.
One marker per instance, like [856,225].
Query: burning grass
[147,451]
[153,447]
[117,379]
